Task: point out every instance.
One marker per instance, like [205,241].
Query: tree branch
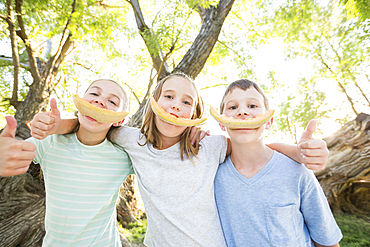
[15,55]
[62,48]
[10,60]
[3,17]
[339,83]
[22,34]
[353,78]
[212,21]
[148,38]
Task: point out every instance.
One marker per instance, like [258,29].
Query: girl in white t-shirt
[176,178]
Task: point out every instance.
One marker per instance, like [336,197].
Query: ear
[119,123]
[222,127]
[268,125]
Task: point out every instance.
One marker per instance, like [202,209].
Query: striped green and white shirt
[82,184]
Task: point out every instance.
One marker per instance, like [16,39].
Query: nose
[243,114]
[99,103]
[175,107]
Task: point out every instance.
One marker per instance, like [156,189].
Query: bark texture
[346,178]
[22,209]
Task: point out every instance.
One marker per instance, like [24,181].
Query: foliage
[357,8]
[338,45]
[297,112]
[45,22]
[135,232]
[355,230]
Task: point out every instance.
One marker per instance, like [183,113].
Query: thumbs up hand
[15,155]
[314,152]
[46,123]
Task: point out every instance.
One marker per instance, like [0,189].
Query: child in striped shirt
[83,172]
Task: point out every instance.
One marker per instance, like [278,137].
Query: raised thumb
[54,108]
[10,128]
[307,134]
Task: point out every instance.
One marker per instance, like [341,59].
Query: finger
[54,108]
[39,134]
[307,134]
[43,127]
[10,128]
[314,160]
[318,152]
[202,135]
[315,167]
[17,171]
[193,135]
[30,147]
[44,118]
[313,144]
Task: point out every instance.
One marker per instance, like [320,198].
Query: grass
[355,230]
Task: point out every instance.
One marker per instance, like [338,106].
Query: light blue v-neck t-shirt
[282,205]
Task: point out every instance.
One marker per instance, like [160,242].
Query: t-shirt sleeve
[126,158]
[316,212]
[41,147]
[124,136]
[216,145]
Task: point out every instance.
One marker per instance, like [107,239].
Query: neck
[168,141]
[90,139]
[250,158]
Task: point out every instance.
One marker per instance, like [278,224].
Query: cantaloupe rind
[162,114]
[248,123]
[101,115]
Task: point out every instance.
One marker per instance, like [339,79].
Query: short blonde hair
[150,131]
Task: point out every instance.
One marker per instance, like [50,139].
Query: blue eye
[232,107]
[252,106]
[168,96]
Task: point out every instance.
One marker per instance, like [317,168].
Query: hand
[313,152]
[46,123]
[15,155]
[196,134]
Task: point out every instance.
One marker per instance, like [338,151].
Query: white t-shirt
[178,195]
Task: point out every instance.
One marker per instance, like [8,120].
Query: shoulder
[119,149]
[123,135]
[214,141]
[49,139]
[285,165]
[285,161]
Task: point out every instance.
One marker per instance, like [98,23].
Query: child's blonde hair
[243,84]
[150,131]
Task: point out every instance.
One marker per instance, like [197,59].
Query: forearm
[287,149]
[66,126]
[319,245]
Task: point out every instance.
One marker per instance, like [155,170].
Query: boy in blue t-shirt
[263,197]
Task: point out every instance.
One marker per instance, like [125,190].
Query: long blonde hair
[150,131]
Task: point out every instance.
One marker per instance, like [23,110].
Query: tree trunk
[22,209]
[346,178]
